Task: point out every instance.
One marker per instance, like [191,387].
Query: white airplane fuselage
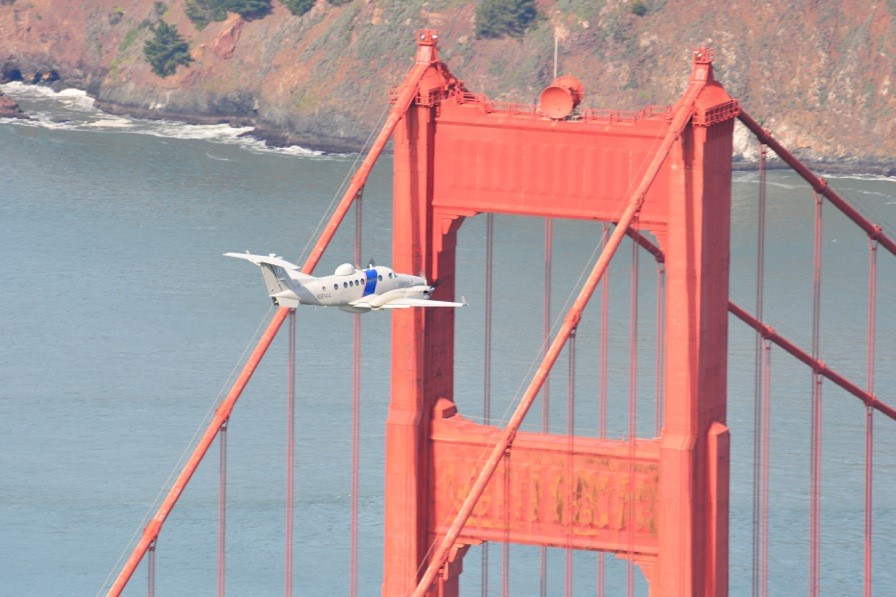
[376,285]
[350,289]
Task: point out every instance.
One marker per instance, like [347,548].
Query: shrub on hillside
[202,12]
[166,50]
[497,18]
[298,7]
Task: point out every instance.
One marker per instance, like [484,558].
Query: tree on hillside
[166,50]
[202,12]
[298,7]
[497,18]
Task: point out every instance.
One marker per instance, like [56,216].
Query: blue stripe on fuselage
[370,287]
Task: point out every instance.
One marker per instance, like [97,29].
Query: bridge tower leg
[694,457]
[422,340]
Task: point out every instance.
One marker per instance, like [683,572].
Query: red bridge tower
[662,502]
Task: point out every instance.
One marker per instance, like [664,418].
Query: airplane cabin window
[345,284]
[380,277]
[335,286]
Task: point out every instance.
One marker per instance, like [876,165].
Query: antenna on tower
[556,43]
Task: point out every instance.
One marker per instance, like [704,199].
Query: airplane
[350,289]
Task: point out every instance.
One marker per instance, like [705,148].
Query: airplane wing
[407,303]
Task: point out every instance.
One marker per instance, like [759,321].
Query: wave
[74,110]
[864,177]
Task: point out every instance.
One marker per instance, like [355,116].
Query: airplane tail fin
[282,279]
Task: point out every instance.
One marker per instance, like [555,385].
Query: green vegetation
[497,18]
[166,50]
[639,8]
[298,7]
[128,40]
[338,2]
[202,12]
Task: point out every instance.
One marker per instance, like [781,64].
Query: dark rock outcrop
[9,108]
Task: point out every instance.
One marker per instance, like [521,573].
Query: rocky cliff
[818,73]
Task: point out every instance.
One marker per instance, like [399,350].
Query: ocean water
[123,325]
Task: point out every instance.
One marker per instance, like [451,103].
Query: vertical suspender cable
[487,360]
[570,472]
[660,346]
[760,437]
[766,407]
[632,409]
[764,463]
[151,571]
[290,452]
[222,508]
[602,407]
[505,546]
[356,414]
[814,507]
[546,390]
[869,410]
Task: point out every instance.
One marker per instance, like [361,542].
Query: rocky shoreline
[282,138]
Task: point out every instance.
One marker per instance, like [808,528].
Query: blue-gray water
[122,325]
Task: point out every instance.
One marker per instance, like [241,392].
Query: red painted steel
[602,398]
[767,332]
[289,523]
[222,509]
[816,365]
[869,412]
[546,389]
[406,95]
[151,532]
[562,495]
[874,231]
[487,358]
[450,199]
[761,406]
[356,417]
[661,503]
[815,476]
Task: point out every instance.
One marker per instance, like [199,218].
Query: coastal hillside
[819,74]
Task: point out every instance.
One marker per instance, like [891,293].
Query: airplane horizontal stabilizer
[276,261]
